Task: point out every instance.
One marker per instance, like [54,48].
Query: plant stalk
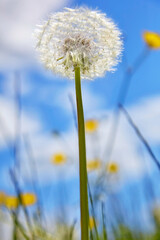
[82,158]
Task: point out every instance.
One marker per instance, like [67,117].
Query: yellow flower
[112,167]
[28,199]
[152,39]
[11,202]
[59,158]
[2,198]
[91,125]
[93,164]
[91,223]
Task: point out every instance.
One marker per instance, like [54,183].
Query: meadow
[80,155]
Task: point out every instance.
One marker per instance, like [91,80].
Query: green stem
[82,159]
[17,225]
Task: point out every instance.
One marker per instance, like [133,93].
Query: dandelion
[93,164]
[11,202]
[91,223]
[28,199]
[112,167]
[59,158]
[152,39]
[79,38]
[82,44]
[91,125]
[2,198]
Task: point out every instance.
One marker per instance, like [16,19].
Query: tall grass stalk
[92,211]
[82,158]
[17,226]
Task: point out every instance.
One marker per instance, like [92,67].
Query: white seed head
[79,37]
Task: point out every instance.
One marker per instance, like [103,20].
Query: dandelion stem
[82,158]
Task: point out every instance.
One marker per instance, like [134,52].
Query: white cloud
[91,102]
[125,153]
[15,80]
[146,115]
[127,150]
[8,120]
[19,18]
[43,148]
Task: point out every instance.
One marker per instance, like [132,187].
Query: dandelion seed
[11,202]
[59,158]
[28,199]
[79,38]
[112,167]
[152,39]
[93,164]
[91,125]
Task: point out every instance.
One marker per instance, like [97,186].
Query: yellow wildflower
[28,199]
[152,39]
[112,167]
[91,223]
[91,125]
[59,158]
[11,202]
[93,164]
[2,198]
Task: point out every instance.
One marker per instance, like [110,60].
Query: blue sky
[45,104]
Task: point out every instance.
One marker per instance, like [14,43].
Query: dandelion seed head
[79,37]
